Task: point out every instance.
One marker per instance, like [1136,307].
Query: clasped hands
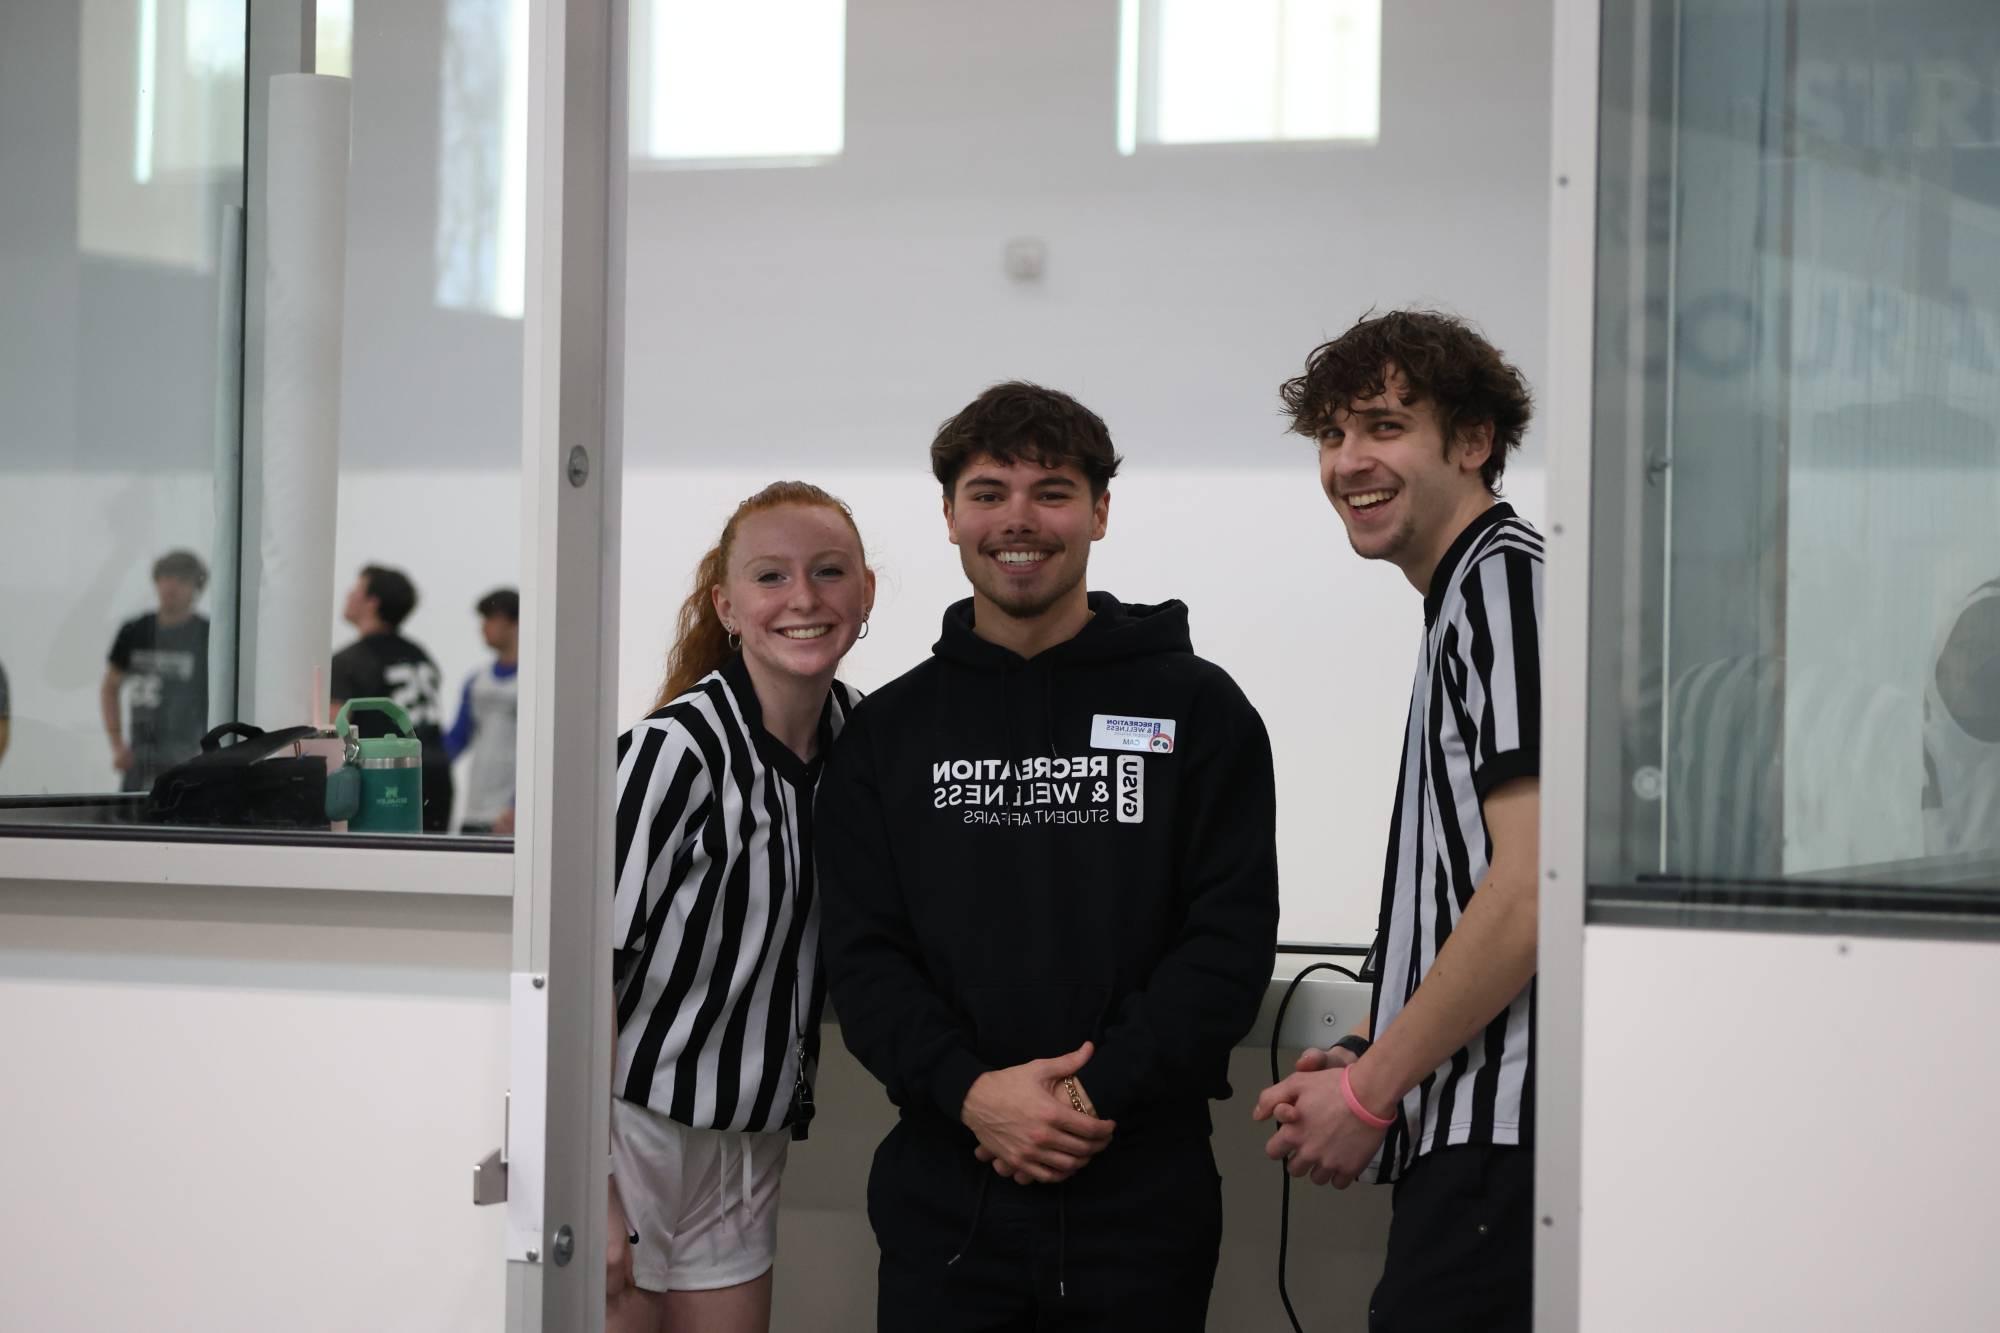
[1026,1125]
[1317,1135]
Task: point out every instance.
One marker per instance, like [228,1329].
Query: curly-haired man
[1415,415]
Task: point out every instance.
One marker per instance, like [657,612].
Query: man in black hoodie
[1050,866]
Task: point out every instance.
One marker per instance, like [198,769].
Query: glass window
[754,83]
[1248,71]
[190,72]
[118,388]
[126,492]
[1796,587]
[157,99]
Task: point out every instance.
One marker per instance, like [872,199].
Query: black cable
[1284,1168]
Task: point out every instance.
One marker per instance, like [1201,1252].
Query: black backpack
[244,785]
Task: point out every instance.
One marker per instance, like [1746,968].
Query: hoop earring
[735,640]
[864,632]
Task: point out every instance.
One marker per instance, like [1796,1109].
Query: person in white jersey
[1415,415]
[488,709]
[715,917]
[1961,804]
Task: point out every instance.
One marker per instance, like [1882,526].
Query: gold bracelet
[1075,1097]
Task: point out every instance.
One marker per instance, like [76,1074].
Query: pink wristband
[1361,1113]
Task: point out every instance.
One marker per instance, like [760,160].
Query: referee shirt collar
[769,748]
[1447,569]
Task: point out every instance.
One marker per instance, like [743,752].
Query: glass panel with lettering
[1796,587]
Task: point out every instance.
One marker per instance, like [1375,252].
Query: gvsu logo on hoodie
[1132,789]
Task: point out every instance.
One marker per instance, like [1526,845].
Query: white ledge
[245,865]
[1326,1006]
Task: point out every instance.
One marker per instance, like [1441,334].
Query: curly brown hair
[1442,360]
[1018,421]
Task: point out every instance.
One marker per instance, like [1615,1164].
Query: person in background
[158,670]
[1961,800]
[487,709]
[715,922]
[1051,871]
[1415,415]
[384,664]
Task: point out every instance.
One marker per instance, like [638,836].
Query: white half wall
[233,1110]
[1787,1131]
[238,1110]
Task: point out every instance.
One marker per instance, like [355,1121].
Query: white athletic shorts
[704,1201]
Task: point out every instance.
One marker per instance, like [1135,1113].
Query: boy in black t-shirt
[163,656]
[384,664]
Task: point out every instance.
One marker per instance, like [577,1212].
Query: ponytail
[701,644]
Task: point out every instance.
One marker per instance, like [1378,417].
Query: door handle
[489,1173]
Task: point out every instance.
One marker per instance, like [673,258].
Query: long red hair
[701,644]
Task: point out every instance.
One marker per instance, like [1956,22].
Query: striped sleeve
[663,793]
[1493,672]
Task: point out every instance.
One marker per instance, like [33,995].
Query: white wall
[239,1110]
[244,1109]
[1787,1132]
[839,312]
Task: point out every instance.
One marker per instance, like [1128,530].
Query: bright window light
[333,38]
[159,130]
[483,157]
[749,82]
[190,88]
[1248,71]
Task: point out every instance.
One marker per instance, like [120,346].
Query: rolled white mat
[305,192]
[224,564]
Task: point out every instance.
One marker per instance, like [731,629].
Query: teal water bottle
[391,767]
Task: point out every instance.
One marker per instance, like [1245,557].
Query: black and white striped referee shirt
[714,918]
[1475,722]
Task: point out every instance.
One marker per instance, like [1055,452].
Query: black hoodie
[1019,854]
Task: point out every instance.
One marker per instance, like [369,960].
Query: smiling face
[1023,533]
[1402,493]
[797,590]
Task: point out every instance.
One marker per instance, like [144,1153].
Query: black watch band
[1353,1041]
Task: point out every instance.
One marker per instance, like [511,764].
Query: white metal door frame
[572,402]
[1566,664]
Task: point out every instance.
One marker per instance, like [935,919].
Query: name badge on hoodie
[1148,734]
